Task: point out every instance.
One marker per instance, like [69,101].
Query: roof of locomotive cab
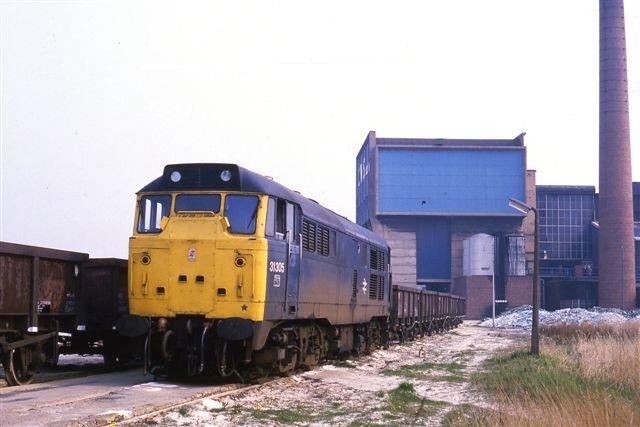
[206,176]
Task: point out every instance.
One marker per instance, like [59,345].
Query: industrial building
[432,198]
[569,232]
[442,205]
[567,248]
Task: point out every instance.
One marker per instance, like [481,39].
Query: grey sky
[97,96]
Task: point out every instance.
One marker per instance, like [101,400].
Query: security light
[519,206]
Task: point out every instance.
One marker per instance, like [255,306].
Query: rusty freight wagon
[54,301]
[416,312]
[104,304]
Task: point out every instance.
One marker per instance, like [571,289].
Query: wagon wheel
[52,354]
[19,369]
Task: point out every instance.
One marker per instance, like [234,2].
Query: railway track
[234,389]
[115,398]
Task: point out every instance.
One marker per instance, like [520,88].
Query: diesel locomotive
[232,270]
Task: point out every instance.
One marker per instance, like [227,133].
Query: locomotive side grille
[308,236]
[376,259]
[373,259]
[376,287]
[354,284]
[316,238]
[323,241]
[373,286]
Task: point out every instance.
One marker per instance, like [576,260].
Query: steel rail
[201,396]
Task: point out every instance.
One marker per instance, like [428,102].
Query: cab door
[293,258]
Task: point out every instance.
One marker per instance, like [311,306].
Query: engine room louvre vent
[376,287]
[373,286]
[308,236]
[354,284]
[376,259]
[323,241]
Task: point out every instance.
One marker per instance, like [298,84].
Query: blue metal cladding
[362,185]
[452,182]
[433,248]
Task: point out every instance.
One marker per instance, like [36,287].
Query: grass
[449,378]
[404,400]
[285,416]
[523,376]
[604,352]
[424,371]
[299,414]
[469,415]
[568,334]
[586,375]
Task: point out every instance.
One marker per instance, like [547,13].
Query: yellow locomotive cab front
[197,253]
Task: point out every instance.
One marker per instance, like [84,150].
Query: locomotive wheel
[168,346]
[286,369]
[18,368]
[225,361]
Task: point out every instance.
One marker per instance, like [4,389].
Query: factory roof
[566,189]
[517,142]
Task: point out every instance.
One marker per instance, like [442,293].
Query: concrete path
[92,400]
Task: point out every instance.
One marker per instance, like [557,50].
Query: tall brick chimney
[616,287]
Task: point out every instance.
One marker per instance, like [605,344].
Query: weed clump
[587,375]
[425,371]
[404,400]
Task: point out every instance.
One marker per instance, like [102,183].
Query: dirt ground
[415,383]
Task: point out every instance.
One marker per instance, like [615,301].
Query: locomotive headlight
[225,175]
[176,176]
[240,262]
[145,259]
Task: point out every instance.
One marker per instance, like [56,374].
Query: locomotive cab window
[276,218]
[270,226]
[291,222]
[281,219]
[152,210]
[242,212]
[198,203]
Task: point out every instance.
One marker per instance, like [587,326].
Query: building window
[565,221]
[515,256]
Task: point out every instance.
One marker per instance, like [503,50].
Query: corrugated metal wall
[362,185]
[450,181]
